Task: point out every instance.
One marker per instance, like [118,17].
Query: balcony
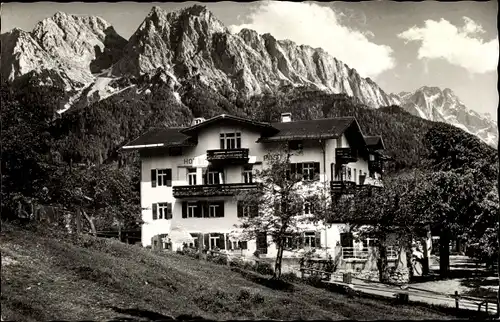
[229,156]
[350,187]
[219,190]
[345,155]
[343,187]
[375,165]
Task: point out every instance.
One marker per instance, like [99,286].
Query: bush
[290,277]
[237,262]
[314,280]
[264,268]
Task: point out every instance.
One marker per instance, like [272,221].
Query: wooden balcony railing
[228,189]
[363,253]
[350,187]
[343,187]
[228,156]
[345,155]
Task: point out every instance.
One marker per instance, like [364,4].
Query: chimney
[286,117]
[197,121]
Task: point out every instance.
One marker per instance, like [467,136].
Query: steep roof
[167,137]
[310,129]
[227,118]
[375,142]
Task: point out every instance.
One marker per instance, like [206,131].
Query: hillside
[46,278]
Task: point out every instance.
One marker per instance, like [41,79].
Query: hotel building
[189,176]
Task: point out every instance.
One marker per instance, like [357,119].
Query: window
[247,174]
[310,239]
[349,174]
[354,175]
[161,177]
[202,209]
[290,242]
[213,210]
[214,241]
[236,245]
[214,176]
[230,140]
[192,177]
[307,208]
[369,242]
[247,210]
[308,171]
[162,210]
[191,209]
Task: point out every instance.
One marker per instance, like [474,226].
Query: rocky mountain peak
[434,104]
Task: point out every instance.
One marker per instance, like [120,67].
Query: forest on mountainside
[77,153]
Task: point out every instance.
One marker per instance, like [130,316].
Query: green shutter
[301,240]
[184,209]
[153,178]
[205,209]
[155,211]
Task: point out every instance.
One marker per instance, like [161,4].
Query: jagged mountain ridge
[435,104]
[187,43]
[85,56]
[193,42]
[74,47]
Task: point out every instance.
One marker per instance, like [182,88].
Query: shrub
[237,262]
[264,268]
[314,280]
[290,277]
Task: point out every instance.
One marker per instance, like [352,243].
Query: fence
[364,253]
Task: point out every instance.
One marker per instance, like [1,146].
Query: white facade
[322,151]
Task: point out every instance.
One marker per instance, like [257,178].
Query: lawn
[48,278]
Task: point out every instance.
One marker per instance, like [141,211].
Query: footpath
[418,295]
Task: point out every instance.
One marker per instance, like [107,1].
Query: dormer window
[230,141]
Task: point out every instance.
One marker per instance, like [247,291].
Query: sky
[402,46]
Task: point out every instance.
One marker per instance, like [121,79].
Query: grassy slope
[45,278]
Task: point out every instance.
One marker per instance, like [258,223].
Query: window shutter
[300,170]
[206,241]
[197,212]
[243,245]
[318,239]
[169,177]
[254,211]
[240,209]
[169,211]
[316,171]
[293,171]
[204,205]
[155,211]
[228,243]
[184,209]
[220,213]
[153,178]
[301,240]
[220,241]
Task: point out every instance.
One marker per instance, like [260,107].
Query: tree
[378,212]
[280,196]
